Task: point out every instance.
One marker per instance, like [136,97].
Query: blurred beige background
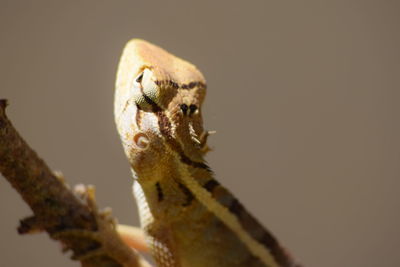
[304,97]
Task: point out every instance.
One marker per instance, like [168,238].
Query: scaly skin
[188,217]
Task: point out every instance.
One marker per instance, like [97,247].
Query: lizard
[189,218]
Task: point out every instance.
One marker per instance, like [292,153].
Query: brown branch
[91,237]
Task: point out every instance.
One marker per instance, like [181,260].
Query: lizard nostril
[184,109]
[192,108]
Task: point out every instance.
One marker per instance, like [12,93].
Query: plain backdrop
[304,96]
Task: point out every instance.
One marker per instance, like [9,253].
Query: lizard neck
[164,189]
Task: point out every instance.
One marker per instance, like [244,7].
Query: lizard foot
[108,242]
[105,224]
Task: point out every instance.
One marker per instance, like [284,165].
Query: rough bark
[57,210]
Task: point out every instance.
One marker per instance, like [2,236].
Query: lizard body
[188,217]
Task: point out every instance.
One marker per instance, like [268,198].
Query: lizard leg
[133,236]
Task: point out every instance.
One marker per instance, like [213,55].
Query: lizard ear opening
[141,140]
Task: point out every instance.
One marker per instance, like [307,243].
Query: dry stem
[56,209]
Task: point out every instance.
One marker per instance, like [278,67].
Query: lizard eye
[139,78]
[145,92]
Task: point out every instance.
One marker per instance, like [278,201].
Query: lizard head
[157,108]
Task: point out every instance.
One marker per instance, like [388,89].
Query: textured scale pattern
[189,218]
[161,253]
